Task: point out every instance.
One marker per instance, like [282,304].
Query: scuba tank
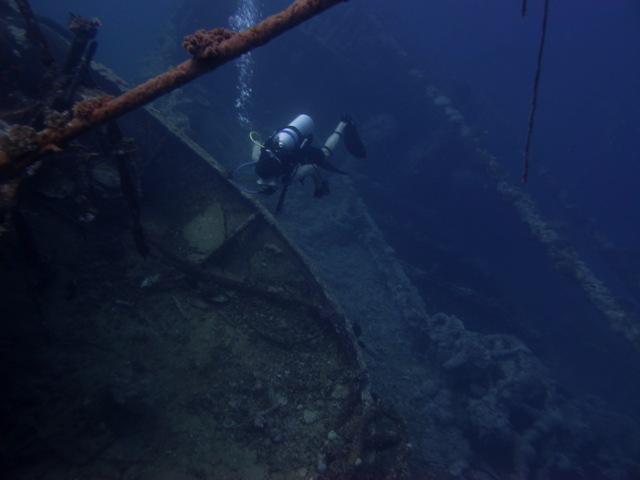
[277,156]
[295,135]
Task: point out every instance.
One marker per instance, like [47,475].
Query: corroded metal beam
[210,49]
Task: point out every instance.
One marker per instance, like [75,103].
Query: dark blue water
[425,184]
[130,32]
[587,130]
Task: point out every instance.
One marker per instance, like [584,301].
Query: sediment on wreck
[220,355]
[453,385]
[467,419]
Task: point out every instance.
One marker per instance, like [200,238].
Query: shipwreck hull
[219,355]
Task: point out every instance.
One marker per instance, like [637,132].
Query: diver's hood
[268,166]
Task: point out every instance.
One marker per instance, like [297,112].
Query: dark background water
[424,186]
[130,30]
[587,134]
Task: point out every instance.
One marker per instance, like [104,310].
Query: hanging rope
[536,83]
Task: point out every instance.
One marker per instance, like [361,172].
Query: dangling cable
[536,83]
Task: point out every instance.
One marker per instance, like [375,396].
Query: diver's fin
[352,140]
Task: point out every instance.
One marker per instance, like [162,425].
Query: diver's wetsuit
[284,165]
[288,156]
[294,165]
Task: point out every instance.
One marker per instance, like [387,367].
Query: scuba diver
[288,155]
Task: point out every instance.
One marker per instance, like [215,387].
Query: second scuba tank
[296,134]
